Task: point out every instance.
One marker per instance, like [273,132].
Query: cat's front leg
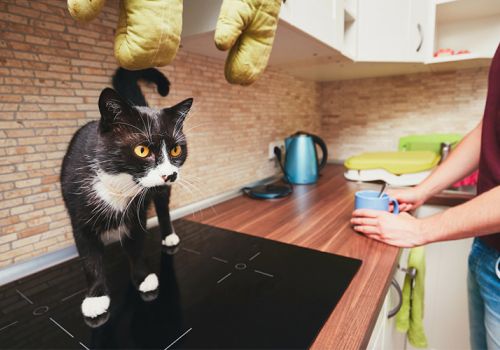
[168,236]
[91,250]
[144,279]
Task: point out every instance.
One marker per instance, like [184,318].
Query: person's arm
[462,161]
[478,217]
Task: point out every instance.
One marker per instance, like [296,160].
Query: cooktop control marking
[72,295]
[83,345]
[58,325]
[254,256]
[176,340]
[263,273]
[223,278]
[24,297]
[240,266]
[191,251]
[219,259]
[40,310]
[7,326]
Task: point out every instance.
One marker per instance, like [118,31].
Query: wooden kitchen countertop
[317,216]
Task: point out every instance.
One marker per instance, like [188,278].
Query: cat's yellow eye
[141,151]
[176,151]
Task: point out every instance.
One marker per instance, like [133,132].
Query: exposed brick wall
[52,70]
[372,114]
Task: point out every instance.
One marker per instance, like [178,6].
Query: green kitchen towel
[411,315]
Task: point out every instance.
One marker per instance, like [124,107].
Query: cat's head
[146,143]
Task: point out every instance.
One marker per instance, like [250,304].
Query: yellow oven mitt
[148,31]
[247,29]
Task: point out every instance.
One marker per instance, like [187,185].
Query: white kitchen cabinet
[307,31]
[317,18]
[394,30]
[326,40]
[420,30]
[199,17]
[382,30]
[384,335]
[472,25]
[377,338]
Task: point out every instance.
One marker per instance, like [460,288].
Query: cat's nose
[170,178]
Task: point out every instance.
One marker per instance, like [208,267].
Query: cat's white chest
[116,190]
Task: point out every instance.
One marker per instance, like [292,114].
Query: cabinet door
[383,30]
[421,28]
[393,340]
[377,341]
[316,18]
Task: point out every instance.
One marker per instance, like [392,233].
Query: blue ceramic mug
[370,200]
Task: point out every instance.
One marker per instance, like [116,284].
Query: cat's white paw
[95,306]
[149,284]
[171,240]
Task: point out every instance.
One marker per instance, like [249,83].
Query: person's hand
[408,198]
[401,230]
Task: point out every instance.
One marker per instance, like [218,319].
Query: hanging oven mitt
[246,28]
[411,315]
[148,31]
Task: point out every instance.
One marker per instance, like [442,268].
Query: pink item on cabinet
[470,180]
[449,52]
[444,52]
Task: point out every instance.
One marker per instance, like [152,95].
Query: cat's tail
[125,83]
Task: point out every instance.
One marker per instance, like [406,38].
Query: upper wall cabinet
[420,30]
[393,30]
[326,40]
[467,29]
[308,31]
[317,18]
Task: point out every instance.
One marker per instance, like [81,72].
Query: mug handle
[395,205]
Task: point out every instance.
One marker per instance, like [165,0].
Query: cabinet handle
[421,35]
[396,309]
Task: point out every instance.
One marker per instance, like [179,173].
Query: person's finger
[404,207]
[364,221]
[367,229]
[369,213]
[375,237]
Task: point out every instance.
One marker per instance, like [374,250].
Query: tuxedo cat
[113,169]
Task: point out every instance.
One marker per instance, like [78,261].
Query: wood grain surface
[317,216]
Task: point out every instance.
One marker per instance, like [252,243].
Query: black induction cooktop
[218,289]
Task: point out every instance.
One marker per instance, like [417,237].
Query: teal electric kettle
[302,166]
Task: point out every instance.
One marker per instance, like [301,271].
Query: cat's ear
[179,111]
[113,108]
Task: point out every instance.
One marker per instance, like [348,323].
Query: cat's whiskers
[179,124]
[191,181]
[139,206]
[144,124]
[184,187]
[195,126]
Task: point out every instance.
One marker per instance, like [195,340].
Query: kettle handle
[317,140]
